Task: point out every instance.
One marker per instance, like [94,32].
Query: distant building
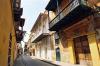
[41,41]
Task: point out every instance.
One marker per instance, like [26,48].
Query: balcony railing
[38,35]
[69,8]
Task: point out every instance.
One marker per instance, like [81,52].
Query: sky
[31,10]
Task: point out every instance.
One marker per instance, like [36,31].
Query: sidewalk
[57,63]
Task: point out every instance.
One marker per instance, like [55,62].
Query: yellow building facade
[77,23]
[81,43]
[10,35]
[41,40]
[7,33]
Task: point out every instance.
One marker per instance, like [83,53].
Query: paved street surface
[28,61]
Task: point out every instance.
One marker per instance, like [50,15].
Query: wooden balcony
[16,3]
[75,11]
[22,21]
[39,35]
[19,35]
[17,13]
[19,23]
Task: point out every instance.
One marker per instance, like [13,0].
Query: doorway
[58,54]
[82,50]
[33,52]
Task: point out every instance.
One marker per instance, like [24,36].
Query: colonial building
[77,23]
[42,38]
[8,30]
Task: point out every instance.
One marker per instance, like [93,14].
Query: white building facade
[42,38]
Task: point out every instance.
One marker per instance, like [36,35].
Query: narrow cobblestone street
[28,61]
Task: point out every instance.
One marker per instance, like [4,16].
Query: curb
[49,62]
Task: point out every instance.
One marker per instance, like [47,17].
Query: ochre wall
[66,46]
[84,27]
[94,49]
[6,27]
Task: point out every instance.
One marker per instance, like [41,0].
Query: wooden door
[82,50]
[58,57]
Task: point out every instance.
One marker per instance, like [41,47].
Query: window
[56,39]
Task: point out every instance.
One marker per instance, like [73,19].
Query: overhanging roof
[52,5]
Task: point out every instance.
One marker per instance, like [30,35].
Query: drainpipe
[58,9]
[57,32]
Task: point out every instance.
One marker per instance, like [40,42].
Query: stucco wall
[6,27]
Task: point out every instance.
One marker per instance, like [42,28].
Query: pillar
[94,49]
[71,51]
